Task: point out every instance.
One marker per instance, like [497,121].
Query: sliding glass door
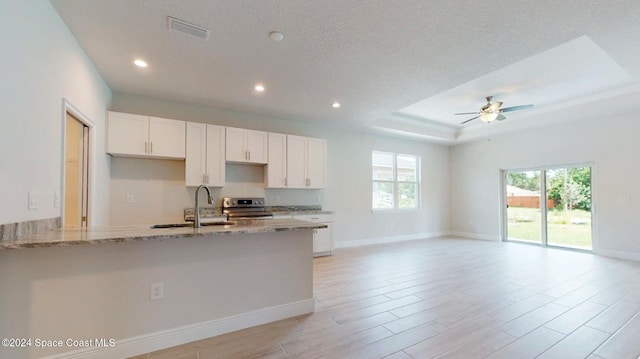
[523,206]
[569,210]
[562,219]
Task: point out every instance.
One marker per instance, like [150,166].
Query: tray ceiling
[396,67]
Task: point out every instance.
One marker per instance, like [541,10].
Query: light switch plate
[56,199]
[32,200]
[129,199]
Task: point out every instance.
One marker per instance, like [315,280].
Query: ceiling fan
[492,111]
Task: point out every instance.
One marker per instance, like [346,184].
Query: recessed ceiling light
[335,105]
[140,63]
[259,88]
[276,36]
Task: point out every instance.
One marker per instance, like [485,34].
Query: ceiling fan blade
[471,119]
[501,117]
[467,113]
[516,108]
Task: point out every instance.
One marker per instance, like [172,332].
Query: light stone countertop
[215,213]
[61,237]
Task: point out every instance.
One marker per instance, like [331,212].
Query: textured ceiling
[376,57]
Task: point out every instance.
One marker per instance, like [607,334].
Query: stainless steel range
[245,208]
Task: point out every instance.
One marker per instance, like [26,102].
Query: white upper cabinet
[205,160]
[166,137]
[144,136]
[316,162]
[276,168]
[296,161]
[127,134]
[246,146]
[306,162]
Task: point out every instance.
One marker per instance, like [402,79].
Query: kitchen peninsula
[98,283]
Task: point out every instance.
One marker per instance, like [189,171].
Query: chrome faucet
[197,209]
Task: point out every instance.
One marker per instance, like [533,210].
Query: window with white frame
[396,181]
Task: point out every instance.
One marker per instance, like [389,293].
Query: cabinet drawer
[318,218]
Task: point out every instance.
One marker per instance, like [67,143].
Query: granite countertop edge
[216,212]
[118,234]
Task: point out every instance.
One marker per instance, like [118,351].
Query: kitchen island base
[212,285]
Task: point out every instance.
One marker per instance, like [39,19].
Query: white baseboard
[634,256]
[484,237]
[168,338]
[389,239]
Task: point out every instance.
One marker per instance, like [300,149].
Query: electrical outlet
[157,291]
[32,201]
[129,199]
[56,199]
[624,198]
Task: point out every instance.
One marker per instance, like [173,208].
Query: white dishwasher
[323,237]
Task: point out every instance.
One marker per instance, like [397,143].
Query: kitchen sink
[180,225]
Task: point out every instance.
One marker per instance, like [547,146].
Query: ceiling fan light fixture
[494,107]
[489,117]
[492,111]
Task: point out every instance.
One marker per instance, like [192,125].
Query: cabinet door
[127,134]
[215,155]
[316,162]
[236,149]
[323,240]
[196,154]
[166,138]
[296,161]
[257,144]
[276,169]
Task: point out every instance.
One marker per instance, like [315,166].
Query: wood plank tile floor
[451,298]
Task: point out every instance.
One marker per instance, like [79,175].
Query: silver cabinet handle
[151,146]
[249,152]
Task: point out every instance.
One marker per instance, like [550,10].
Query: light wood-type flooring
[451,298]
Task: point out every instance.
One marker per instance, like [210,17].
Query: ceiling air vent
[187,28]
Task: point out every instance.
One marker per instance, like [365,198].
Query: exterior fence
[527,201]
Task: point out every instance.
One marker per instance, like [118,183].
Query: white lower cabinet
[322,237]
